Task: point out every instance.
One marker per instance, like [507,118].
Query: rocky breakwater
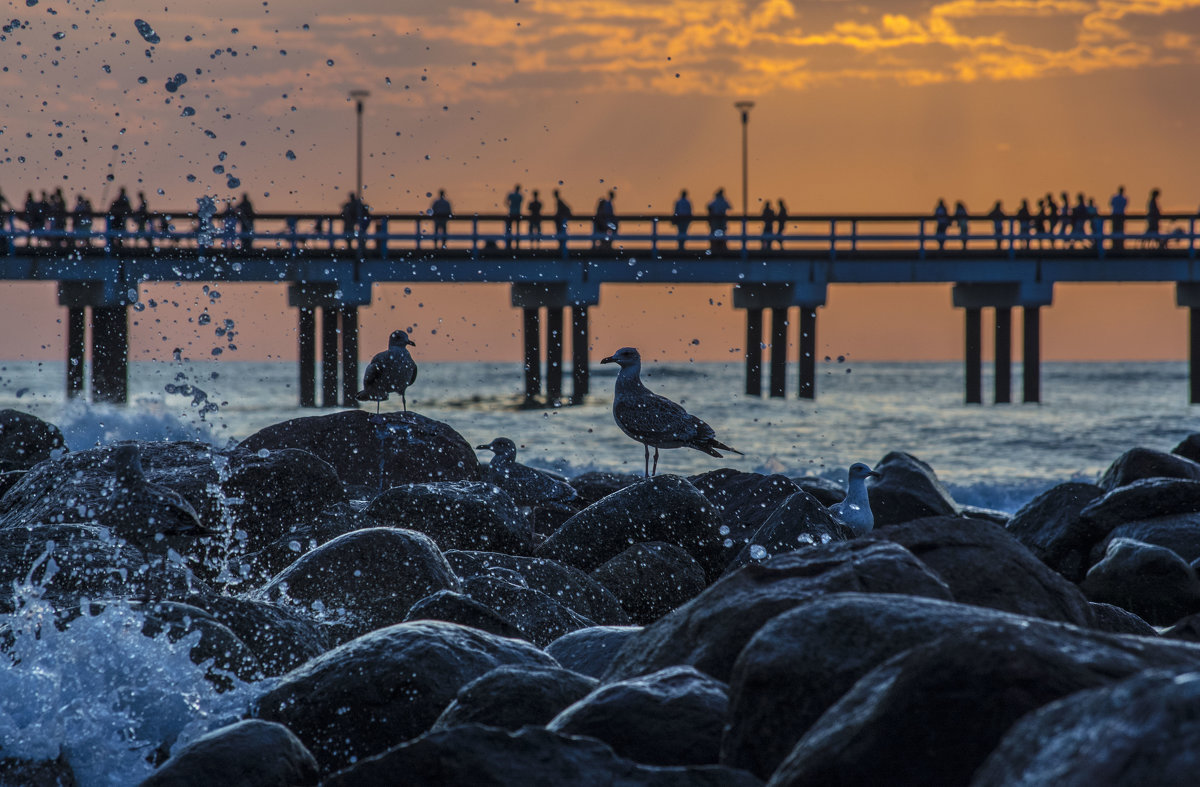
[720,630]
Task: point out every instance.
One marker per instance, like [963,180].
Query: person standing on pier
[1051,217]
[605,223]
[562,214]
[1117,206]
[1153,219]
[513,222]
[245,212]
[535,219]
[118,216]
[682,216]
[141,217]
[718,221]
[81,220]
[350,211]
[1066,220]
[781,217]
[1024,222]
[768,224]
[961,217]
[941,218]
[997,216]
[441,212]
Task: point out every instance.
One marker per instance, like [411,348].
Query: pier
[549,269]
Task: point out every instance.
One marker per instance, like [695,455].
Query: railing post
[654,236]
[382,239]
[1012,243]
[854,235]
[833,239]
[474,236]
[921,239]
[1192,238]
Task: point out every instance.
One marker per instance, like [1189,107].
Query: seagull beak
[609,359]
[873,474]
[410,341]
[483,447]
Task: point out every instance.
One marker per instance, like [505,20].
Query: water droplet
[291,155]
[146,31]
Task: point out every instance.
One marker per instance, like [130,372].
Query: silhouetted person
[681,217]
[1095,223]
[1066,222]
[1153,219]
[781,217]
[535,218]
[1079,219]
[57,216]
[1051,217]
[562,214]
[141,216]
[513,222]
[996,214]
[1024,222]
[245,212]
[941,223]
[718,219]
[441,212]
[1117,206]
[350,211]
[118,216]
[768,224]
[1039,223]
[604,224]
[961,217]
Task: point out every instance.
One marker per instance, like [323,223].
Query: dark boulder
[511,697]
[410,447]
[907,489]
[744,501]
[1189,447]
[279,638]
[9,479]
[799,522]
[589,651]
[597,485]
[1150,581]
[710,630]
[217,644]
[539,618]
[473,754]
[1143,730]
[275,488]
[671,717]
[386,687]
[1115,620]
[1052,528]
[26,440]
[983,564]
[826,492]
[456,515]
[300,537]
[664,508]
[1179,533]
[368,578]
[452,607]
[37,773]
[250,753]
[1138,463]
[651,579]
[1147,498]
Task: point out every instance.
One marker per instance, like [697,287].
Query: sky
[860,107]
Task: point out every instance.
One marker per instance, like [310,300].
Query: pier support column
[579,353]
[1031,364]
[1003,360]
[533,342]
[306,331]
[329,357]
[349,320]
[76,345]
[754,334]
[973,331]
[554,354]
[110,354]
[1194,355]
[808,353]
[779,336]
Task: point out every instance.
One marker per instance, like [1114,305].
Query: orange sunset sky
[861,107]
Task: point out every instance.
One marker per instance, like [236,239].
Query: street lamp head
[744,106]
[359,95]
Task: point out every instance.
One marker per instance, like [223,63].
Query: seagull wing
[656,420]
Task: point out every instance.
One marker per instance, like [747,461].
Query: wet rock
[1051,527]
[1143,730]
[511,697]
[1115,620]
[26,440]
[280,639]
[217,642]
[1189,447]
[456,515]
[1179,533]
[986,514]
[538,617]
[300,537]
[9,479]
[475,754]
[273,489]
[798,523]
[385,687]
[710,630]
[1150,581]
[250,753]
[671,717]
[826,492]
[597,485]
[37,773]
[907,489]
[744,501]
[1147,498]
[1138,463]
[564,584]
[369,578]
[589,651]
[664,508]
[985,565]
[651,579]
[452,607]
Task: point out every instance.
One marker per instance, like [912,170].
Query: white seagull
[391,371]
[654,420]
[855,510]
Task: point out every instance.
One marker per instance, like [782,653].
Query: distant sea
[996,456]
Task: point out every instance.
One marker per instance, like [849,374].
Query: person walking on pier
[1067,219]
[781,218]
[118,216]
[962,217]
[513,222]
[604,224]
[997,216]
[1117,206]
[768,225]
[350,210]
[141,217]
[81,220]
[1051,217]
[562,214]
[1079,220]
[682,216]
[718,220]
[1095,223]
[441,212]
[245,212]
[535,219]
[1153,220]
[941,219]
[1024,222]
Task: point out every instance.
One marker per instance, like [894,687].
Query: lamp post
[744,107]
[359,96]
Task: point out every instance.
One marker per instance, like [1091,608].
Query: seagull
[525,485]
[391,371]
[142,512]
[654,420]
[855,510]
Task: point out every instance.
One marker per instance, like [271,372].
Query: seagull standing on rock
[855,510]
[526,486]
[391,371]
[655,420]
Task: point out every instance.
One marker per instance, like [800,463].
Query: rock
[456,515]
[799,522]
[1139,463]
[217,644]
[1150,581]
[801,662]
[414,449]
[275,488]
[826,492]
[385,687]
[1147,498]
[984,565]
[250,753]
[1179,533]
[744,501]
[1186,628]
[451,607]
[597,485]
[1050,526]
[710,630]
[564,584]
[664,508]
[538,617]
[907,489]
[9,479]
[1189,447]
[26,440]
[986,514]
[301,537]
[651,579]
[37,773]
[280,639]
[933,713]
[368,577]
[1143,730]
[511,697]
[1115,620]
[589,651]
[533,757]
[671,717]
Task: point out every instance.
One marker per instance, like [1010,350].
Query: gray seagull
[391,371]
[526,485]
[855,509]
[654,420]
[142,512]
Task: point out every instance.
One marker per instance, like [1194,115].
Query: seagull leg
[655,461]
[647,447]
[404,402]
